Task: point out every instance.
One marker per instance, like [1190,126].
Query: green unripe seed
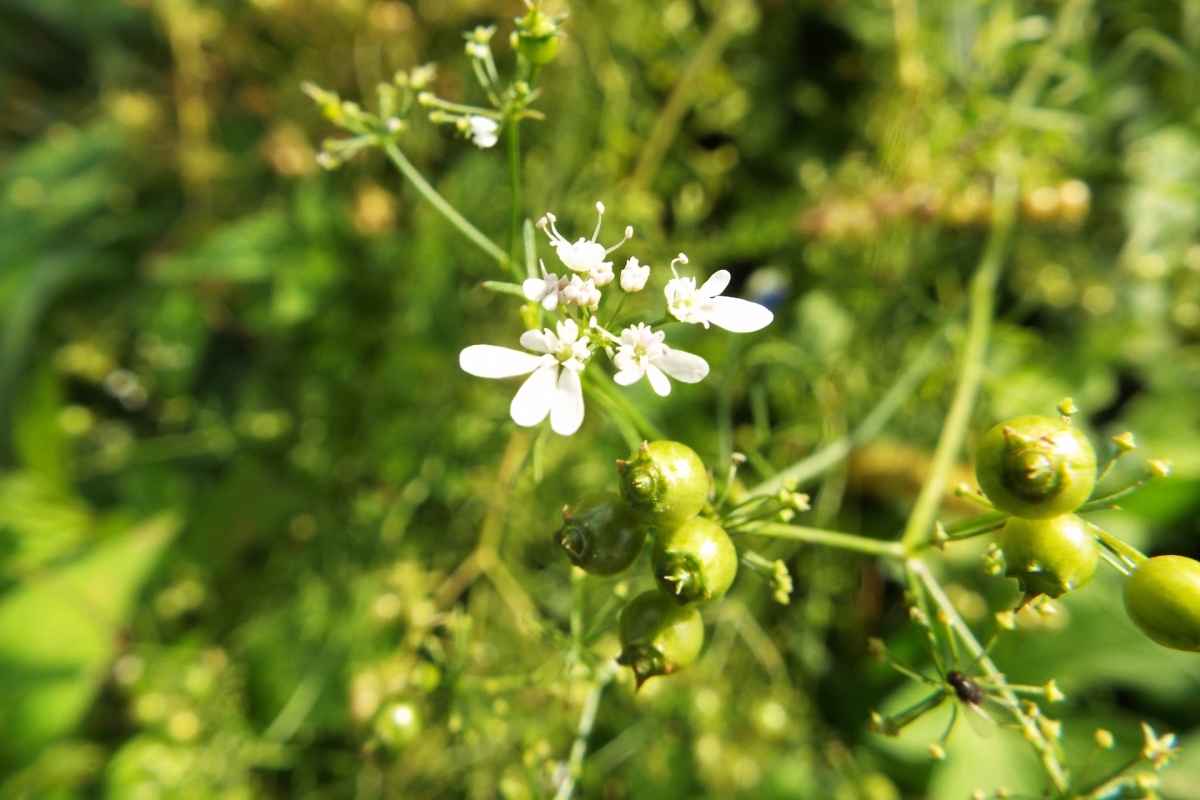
[1162,598]
[665,482]
[398,724]
[695,562]
[658,636]
[1049,556]
[537,37]
[1036,467]
[601,535]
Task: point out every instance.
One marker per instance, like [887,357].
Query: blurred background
[241,473]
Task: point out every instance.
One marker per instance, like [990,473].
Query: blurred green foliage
[242,477]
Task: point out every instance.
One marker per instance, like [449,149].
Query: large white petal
[716,283]
[489,361]
[629,376]
[567,413]
[533,400]
[739,316]
[658,381]
[682,366]
[536,341]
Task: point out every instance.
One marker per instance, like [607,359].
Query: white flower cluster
[559,357]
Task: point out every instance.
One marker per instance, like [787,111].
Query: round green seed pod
[537,37]
[1049,556]
[1035,467]
[666,482]
[1162,598]
[695,562]
[602,535]
[658,636]
[398,724]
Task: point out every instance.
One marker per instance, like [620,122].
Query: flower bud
[1049,556]
[1162,597]
[665,482]
[658,636]
[601,535]
[1036,467]
[695,562]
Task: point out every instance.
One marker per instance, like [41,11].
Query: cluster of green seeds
[1041,470]
[664,487]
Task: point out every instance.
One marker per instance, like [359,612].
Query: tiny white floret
[705,305]
[634,275]
[483,131]
[642,352]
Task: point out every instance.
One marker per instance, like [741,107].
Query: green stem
[1127,552]
[1106,502]
[514,182]
[844,541]
[826,458]
[448,211]
[603,386]
[978,521]
[1029,728]
[982,308]
[587,720]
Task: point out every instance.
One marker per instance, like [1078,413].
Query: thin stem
[514,182]
[448,211]
[844,541]
[982,308]
[1106,502]
[1029,729]
[1128,553]
[587,720]
[977,521]
[828,457]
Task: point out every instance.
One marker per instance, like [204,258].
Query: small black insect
[965,689]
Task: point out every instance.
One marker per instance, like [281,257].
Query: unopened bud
[1104,739]
[937,752]
[1160,467]
[1125,442]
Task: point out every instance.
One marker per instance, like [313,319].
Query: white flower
[642,352]
[704,305]
[582,293]
[482,131]
[545,290]
[553,388]
[585,255]
[634,275]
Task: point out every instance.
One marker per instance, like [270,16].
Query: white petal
[489,361]
[626,377]
[715,284]
[567,414]
[739,316]
[532,403]
[658,381]
[536,341]
[533,288]
[551,301]
[682,366]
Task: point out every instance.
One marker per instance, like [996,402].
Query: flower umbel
[553,388]
[705,304]
[558,356]
[642,352]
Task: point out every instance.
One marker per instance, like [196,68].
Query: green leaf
[58,633]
